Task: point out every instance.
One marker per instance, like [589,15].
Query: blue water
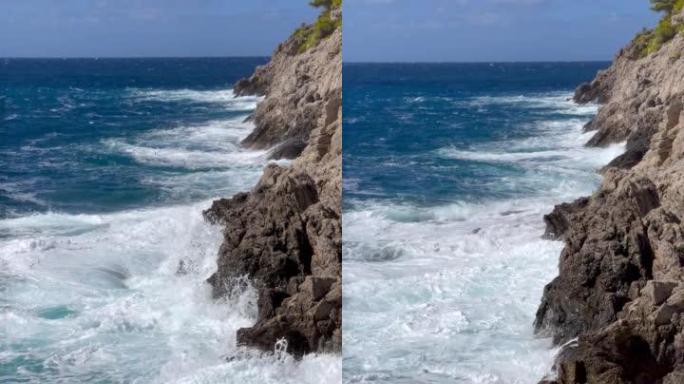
[105,168]
[448,169]
[70,129]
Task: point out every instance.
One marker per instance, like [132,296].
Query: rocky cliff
[285,234]
[618,301]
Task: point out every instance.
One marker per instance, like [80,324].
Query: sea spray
[445,189]
[104,253]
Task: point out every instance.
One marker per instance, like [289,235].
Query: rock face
[620,290]
[296,85]
[285,234]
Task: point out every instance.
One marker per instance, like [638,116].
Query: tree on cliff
[667,6]
[327,4]
[651,40]
[328,21]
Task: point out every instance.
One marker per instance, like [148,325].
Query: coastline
[100,282]
[444,194]
[284,235]
[616,304]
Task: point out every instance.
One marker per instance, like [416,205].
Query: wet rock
[288,149]
[558,221]
[284,236]
[619,289]
[254,86]
[607,249]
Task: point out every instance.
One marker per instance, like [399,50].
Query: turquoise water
[448,170]
[105,168]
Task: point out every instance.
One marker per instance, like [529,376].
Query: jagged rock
[285,234]
[558,222]
[657,291]
[265,236]
[253,86]
[288,149]
[607,250]
[297,86]
[620,288]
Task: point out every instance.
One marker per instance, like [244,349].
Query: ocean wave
[20,193]
[203,183]
[185,158]
[94,290]
[585,156]
[215,144]
[559,142]
[225,97]
[468,272]
[557,102]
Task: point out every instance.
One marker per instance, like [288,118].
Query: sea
[448,171]
[105,168]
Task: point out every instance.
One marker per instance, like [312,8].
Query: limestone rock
[620,288]
[285,234]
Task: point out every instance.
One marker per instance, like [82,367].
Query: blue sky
[490,30]
[122,28]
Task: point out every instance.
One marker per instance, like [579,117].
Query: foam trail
[447,293]
[117,275]
[223,97]
[122,296]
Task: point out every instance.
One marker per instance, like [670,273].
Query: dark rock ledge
[285,234]
[618,301]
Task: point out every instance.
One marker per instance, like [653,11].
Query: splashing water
[104,251]
[448,172]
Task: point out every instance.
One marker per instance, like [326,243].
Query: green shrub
[310,35]
[663,33]
[678,6]
[650,41]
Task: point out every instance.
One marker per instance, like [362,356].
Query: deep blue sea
[84,136]
[105,167]
[448,169]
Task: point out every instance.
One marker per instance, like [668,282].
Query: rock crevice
[620,289]
[285,234]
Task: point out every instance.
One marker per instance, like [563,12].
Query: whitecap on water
[214,144]
[99,297]
[556,102]
[448,293]
[557,143]
[225,97]
[125,313]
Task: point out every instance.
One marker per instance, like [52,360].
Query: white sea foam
[14,191]
[186,158]
[114,277]
[558,142]
[223,97]
[98,297]
[560,102]
[215,144]
[447,294]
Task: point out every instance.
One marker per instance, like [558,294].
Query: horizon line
[268,56]
[483,62]
[128,57]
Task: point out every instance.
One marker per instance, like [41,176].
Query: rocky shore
[285,234]
[618,302]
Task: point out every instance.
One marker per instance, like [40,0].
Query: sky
[374,30]
[490,30]
[147,28]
